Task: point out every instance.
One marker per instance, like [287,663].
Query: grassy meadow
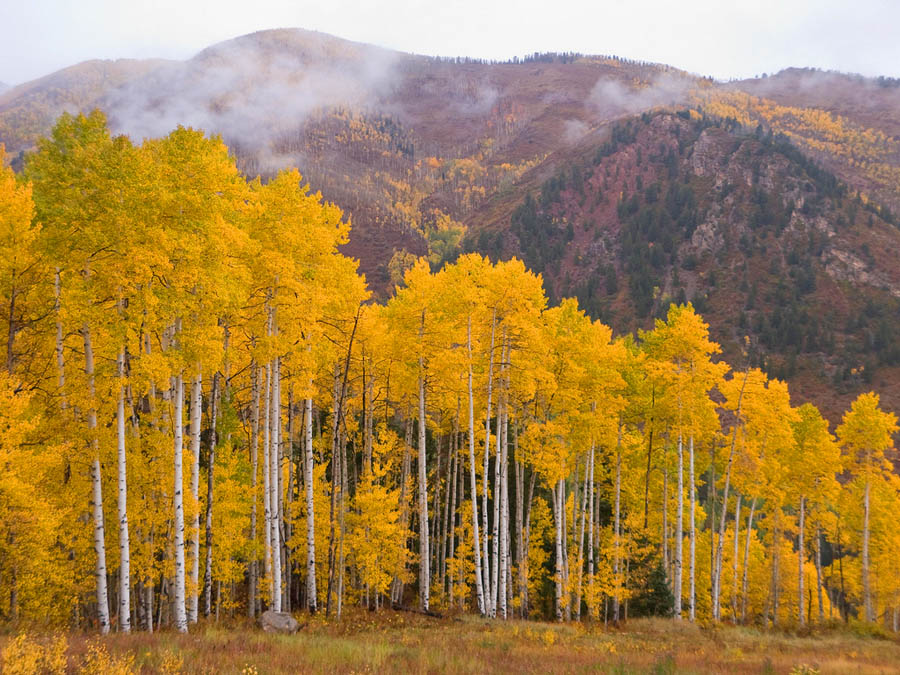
[365,642]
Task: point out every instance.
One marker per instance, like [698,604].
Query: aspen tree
[488,579]
[424,542]
[476,545]
[865,433]
[735,387]
[412,308]
[67,169]
[467,276]
[21,268]
[680,358]
[96,482]
[811,465]
[763,442]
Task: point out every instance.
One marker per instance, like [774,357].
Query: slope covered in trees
[847,122]
[433,156]
[766,243]
[204,412]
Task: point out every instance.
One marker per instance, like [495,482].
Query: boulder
[278,622]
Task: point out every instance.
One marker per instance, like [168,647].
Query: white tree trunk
[800,557]
[196,403]
[504,517]
[565,547]
[60,359]
[424,555]
[558,509]
[717,565]
[124,548]
[495,548]
[310,512]
[679,532]
[253,572]
[97,490]
[177,424]
[342,528]
[274,486]
[591,519]
[210,478]
[521,567]
[734,566]
[775,576]
[267,479]
[582,515]
[434,529]
[819,573]
[288,453]
[665,513]
[447,547]
[617,529]
[693,535]
[526,537]
[746,573]
[148,609]
[476,544]
[488,589]
[405,469]
[867,595]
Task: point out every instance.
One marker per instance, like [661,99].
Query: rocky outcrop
[707,238]
[845,266]
[705,158]
[278,622]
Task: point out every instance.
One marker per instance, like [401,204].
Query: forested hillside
[791,180]
[205,413]
[763,241]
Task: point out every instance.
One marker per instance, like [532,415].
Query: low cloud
[252,89]
[574,130]
[612,98]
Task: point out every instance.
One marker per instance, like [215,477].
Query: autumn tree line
[204,413]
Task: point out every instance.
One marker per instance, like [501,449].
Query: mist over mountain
[251,89]
[768,202]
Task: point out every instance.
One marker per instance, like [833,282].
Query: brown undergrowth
[363,642]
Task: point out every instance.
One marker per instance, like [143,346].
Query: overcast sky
[722,38]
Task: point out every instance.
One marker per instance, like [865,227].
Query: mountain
[400,141]
[28,110]
[3,87]
[768,202]
[849,123]
[793,270]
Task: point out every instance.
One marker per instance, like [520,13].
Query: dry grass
[399,642]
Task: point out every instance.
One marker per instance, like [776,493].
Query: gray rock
[278,622]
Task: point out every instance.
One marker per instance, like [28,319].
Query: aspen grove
[205,413]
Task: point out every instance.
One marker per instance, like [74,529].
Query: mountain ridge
[430,156]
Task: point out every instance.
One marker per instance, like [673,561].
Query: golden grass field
[363,642]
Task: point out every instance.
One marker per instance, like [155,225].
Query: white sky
[722,38]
